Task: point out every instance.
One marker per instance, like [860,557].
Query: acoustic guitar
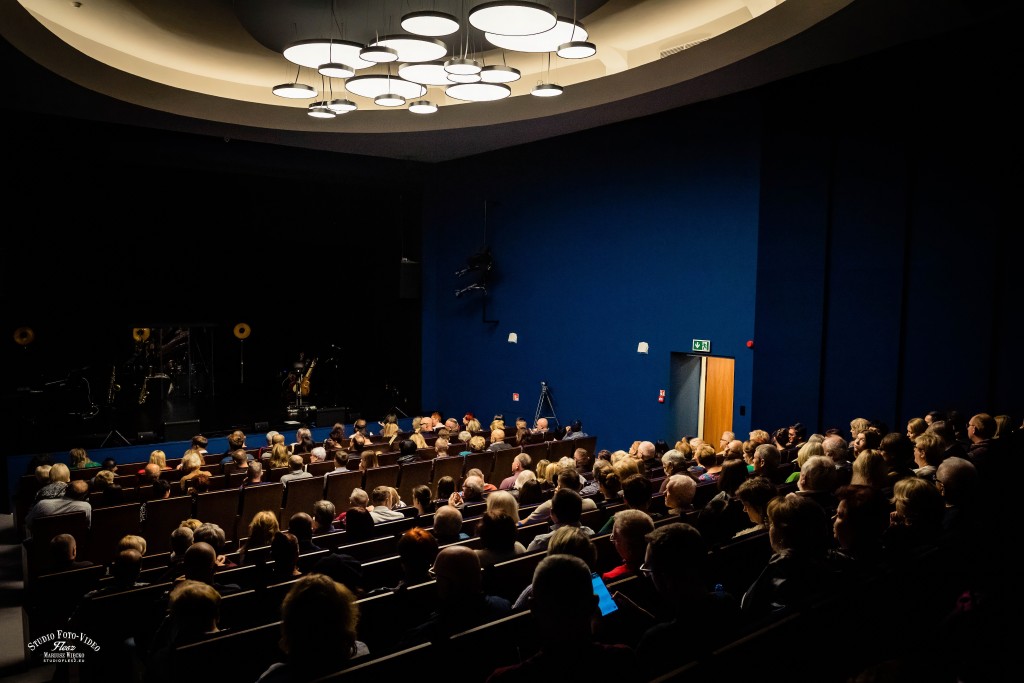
[302,388]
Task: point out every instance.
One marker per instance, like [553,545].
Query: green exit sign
[702,346]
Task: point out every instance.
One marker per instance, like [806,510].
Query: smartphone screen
[605,602]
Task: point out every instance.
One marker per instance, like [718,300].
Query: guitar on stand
[302,387]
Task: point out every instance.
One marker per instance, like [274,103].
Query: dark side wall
[857,223]
[888,243]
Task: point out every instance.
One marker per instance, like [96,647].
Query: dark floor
[13,665]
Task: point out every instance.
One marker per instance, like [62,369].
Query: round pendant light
[378,54]
[512,18]
[389,99]
[478,92]
[313,53]
[462,66]
[320,110]
[427,73]
[576,49]
[377,84]
[430,23]
[422,107]
[564,31]
[336,70]
[463,78]
[499,73]
[342,106]
[547,90]
[294,91]
[413,48]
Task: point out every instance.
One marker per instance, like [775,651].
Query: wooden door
[717,388]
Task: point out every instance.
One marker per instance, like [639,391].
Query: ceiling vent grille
[684,46]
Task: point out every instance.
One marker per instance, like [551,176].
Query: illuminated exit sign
[702,346]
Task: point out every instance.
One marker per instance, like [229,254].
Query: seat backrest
[372,549]
[380,476]
[508,579]
[318,469]
[561,449]
[449,467]
[414,474]
[109,525]
[482,461]
[300,496]
[256,498]
[259,645]
[274,474]
[390,666]
[502,467]
[221,508]
[482,649]
[536,451]
[37,548]
[339,487]
[162,517]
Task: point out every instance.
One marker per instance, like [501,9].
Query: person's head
[199,443]
[407,447]
[358,498]
[645,450]
[295,463]
[151,472]
[798,525]
[284,551]
[956,478]
[195,608]
[835,447]
[127,566]
[473,486]
[158,458]
[262,529]
[680,490]
[452,425]
[755,493]
[673,461]
[567,477]
[318,454]
[497,435]
[866,439]
[858,425]
[381,497]
[862,516]
[608,480]
[477,444]
[766,459]
[573,540]
[236,440]
[457,573]
[933,416]
[78,457]
[447,522]
[706,456]
[818,473]
[42,473]
[541,424]
[60,472]
[317,604]
[417,549]
[254,468]
[918,503]
[497,530]
[807,450]
[562,600]
[270,437]
[566,507]
[898,450]
[199,482]
[421,497]
[181,538]
[530,489]
[734,473]
[301,525]
[981,426]
[239,459]
[63,549]
[358,523]
[132,542]
[445,487]
[759,436]
[675,558]
[625,467]
[279,455]
[211,534]
[637,491]
[1004,426]
[870,468]
[103,480]
[77,490]
[629,535]
[324,513]
[503,501]
[191,462]
[928,450]
[200,562]
[368,460]
[916,427]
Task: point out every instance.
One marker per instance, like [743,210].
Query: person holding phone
[563,605]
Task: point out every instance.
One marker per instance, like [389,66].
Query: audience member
[314,606]
[566,510]
[74,499]
[497,532]
[629,537]
[563,606]
[448,525]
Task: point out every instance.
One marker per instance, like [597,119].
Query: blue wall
[643,231]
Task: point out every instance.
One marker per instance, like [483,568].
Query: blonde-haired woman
[278,456]
[159,458]
[262,528]
[80,459]
[503,501]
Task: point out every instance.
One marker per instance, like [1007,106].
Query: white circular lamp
[512,18]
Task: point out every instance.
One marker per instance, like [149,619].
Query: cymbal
[141,334]
[242,331]
[24,336]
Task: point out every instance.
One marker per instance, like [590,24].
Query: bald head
[457,569]
[645,450]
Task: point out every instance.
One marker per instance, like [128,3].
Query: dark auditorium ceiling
[208,66]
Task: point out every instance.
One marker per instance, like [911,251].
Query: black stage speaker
[326,417]
[183,430]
